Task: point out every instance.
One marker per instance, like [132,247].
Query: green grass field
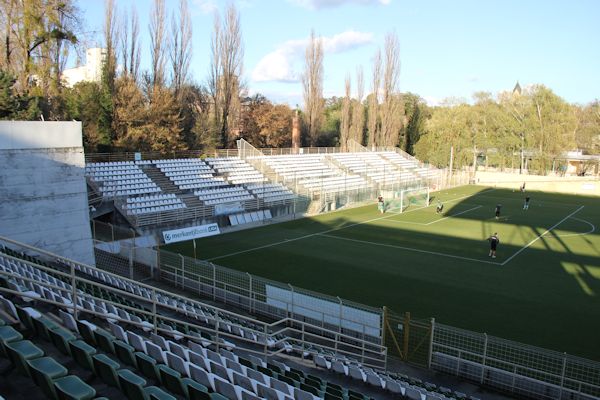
[542,289]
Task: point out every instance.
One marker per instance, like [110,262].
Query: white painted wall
[43,194]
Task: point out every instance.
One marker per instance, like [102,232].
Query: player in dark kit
[493,244]
[439,208]
[497,210]
[526,204]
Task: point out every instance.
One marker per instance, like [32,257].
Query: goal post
[408,198]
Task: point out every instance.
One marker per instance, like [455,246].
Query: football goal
[408,198]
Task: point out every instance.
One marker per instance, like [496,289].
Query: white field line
[537,203]
[434,221]
[454,215]
[581,233]
[540,236]
[329,230]
[412,249]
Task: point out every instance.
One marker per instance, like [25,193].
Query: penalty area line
[541,236]
[435,253]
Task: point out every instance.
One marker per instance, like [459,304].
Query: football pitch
[542,289]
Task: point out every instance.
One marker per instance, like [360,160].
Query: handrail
[365,345]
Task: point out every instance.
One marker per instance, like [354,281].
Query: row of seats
[169,360]
[142,199]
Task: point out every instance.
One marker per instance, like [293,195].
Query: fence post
[341,314]
[182,272]
[432,331]
[154,318]
[292,289]
[406,333]
[74,294]
[250,294]
[485,347]
[132,255]
[214,279]
[562,375]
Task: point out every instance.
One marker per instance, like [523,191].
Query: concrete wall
[570,184]
[43,194]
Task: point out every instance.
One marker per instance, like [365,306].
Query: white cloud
[320,4]
[278,65]
[204,6]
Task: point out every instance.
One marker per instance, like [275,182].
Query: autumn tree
[312,83]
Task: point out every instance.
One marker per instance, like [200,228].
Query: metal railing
[513,366]
[288,329]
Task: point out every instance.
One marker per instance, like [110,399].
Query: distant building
[90,72]
[517,90]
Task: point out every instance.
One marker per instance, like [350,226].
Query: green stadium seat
[44,371]
[310,389]
[147,366]
[2,322]
[86,332]
[104,340]
[25,318]
[42,325]
[125,353]
[217,396]
[21,351]
[71,387]
[106,368]
[60,338]
[171,380]
[132,386]
[198,392]
[82,353]
[8,334]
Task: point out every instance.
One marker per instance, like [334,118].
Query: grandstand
[92,334]
[157,194]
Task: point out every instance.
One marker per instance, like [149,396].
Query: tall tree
[588,130]
[391,110]
[180,51]
[373,100]
[358,114]
[158,41]
[312,82]
[110,43]
[346,116]
[129,43]
[225,78]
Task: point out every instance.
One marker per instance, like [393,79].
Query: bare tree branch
[312,82]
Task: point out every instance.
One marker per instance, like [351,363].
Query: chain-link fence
[513,367]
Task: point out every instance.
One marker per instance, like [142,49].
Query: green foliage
[539,120]
[14,106]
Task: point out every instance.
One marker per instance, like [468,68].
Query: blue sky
[448,48]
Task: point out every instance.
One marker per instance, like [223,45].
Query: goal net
[408,198]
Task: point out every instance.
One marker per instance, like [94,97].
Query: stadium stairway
[130,354]
[161,180]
